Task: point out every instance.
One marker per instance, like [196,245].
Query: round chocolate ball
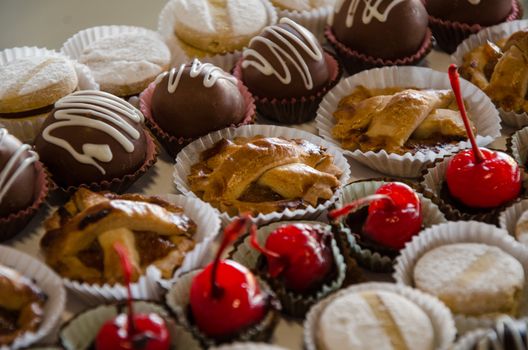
[483,12]
[386,29]
[91,136]
[285,61]
[196,99]
[18,174]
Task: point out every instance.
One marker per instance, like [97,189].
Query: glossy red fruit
[302,256]
[488,184]
[150,333]
[239,305]
[394,222]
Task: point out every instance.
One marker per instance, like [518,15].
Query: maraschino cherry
[132,331]
[479,177]
[225,297]
[299,254]
[394,214]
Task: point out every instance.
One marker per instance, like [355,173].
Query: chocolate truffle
[386,29]
[483,12]
[285,61]
[91,136]
[196,99]
[18,176]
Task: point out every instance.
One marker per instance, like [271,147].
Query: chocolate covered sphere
[386,29]
[91,136]
[284,61]
[196,99]
[18,176]
[483,12]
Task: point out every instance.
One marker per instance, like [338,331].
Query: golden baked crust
[79,237]
[21,305]
[397,120]
[264,174]
[501,70]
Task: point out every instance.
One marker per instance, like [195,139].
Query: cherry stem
[231,232]
[357,204]
[254,242]
[126,266]
[455,85]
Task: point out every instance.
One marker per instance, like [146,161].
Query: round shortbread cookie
[35,82]
[472,279]
[219,26]
[301,5]
[376,320]
[126,63]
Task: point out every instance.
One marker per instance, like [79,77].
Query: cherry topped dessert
[393,217]
[299,254]
[225,297]
[479,177]
[132,331]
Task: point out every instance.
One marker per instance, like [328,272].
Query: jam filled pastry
[264,174]
[80,236]
[21,305]
[501,70]
[397,120]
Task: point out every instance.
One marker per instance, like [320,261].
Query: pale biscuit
[126,63]
[374,320]
[218,26]
[35,82]
[472,279]
[302,5]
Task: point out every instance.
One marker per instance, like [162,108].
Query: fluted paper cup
[190,155]
[509,218]
[248,346]
[482,111]
[494,34]
[461,232]
[315,20]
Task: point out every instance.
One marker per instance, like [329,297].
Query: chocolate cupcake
[97,140]
[288,72]
[385,34]
[454,20]
[193,100]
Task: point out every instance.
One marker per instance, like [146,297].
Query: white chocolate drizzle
[309,45]
[370,11]
[211,74]
[11,170]
[110,109]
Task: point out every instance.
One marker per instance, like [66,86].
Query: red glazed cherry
[480,178]
[299,254]
[394,215]
[132,331]
[225,297]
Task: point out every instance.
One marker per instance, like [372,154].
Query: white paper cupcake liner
[248,346]
[461,232]
[48,281]
[151,285]
[80,332]
[225,61]
[314,20]
[367,258]
[294,304]
[177,299]
[509,217]
[26,129]
[493,34]
[469,339]
[191,155]
[517,146]
[439,314]
[483,113]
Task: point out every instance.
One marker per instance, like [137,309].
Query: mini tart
[293,304]
[465,255]
[177,299]
[507,333]
[350,237]
[367,312]
[434,184]
[449,34]
[79,333]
